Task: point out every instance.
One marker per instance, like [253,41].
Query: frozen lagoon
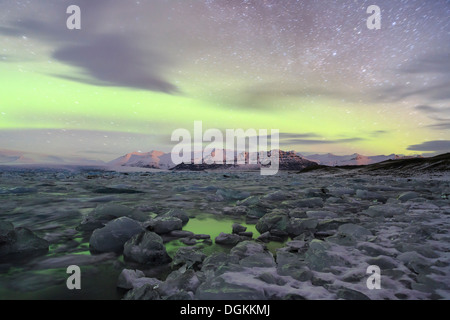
[321,232]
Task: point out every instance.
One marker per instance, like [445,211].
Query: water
[57,201]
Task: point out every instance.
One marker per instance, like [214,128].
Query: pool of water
[26,281]
[213,225]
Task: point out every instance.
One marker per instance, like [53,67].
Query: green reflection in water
[213,225]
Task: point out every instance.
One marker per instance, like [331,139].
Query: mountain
[288,160]
[12,157]
[438,163]
[153,159]
[356,159]
[401,166]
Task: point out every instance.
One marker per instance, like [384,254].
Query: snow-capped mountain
[289,160]
[153,159]
[356,159]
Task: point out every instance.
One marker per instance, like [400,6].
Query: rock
[253,255]
[297,213]
[290,264]
[370,195]
[227,239]
[340,191]
[321,214]
[333,224]
[104,213]
[408,196]
[354,231]
[7,234]
[308,203]
[250,201]
[237,228]
[348,234]
[146,248]
[178,213]
[214,198]
[235,211]
[315,192]
[24,243]
[111,211]
[188,241]
[192,257]
[164,224]
[247,234]
[134,279]
[179,280]
[322,234]
[273,221]
[297,226]
[218,288]
[296,245]
[180,296]
[279,195]
[386,211]
[229,194]
[336,200]
[383,262]
[264,237]
[145,292]
[423,249]
[320,256]
[374,250]
[259,260]
[415,262]
[256,212]
[269,278]
[247,249]
[349,294]
[114,234]
[201,236]
[180,234]
[217,260]
[293,296]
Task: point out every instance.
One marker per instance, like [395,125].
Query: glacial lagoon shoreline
[327,230]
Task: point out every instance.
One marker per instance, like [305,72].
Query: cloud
[436,114]
[378,133]
[427,109]
[298,135]
[113,60]
[435,66]
[434,63]
[436,145]
[440,126]
[318,141]
[433,112]
[102,58]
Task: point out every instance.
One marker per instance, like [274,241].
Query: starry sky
[138,70]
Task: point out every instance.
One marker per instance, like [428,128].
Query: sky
[138,70]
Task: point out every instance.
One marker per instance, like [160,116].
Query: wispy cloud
[102,58]
[300,142]
[436,145]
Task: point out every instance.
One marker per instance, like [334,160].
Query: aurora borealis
[137,70]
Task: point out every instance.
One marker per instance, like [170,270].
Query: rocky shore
[290,236]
